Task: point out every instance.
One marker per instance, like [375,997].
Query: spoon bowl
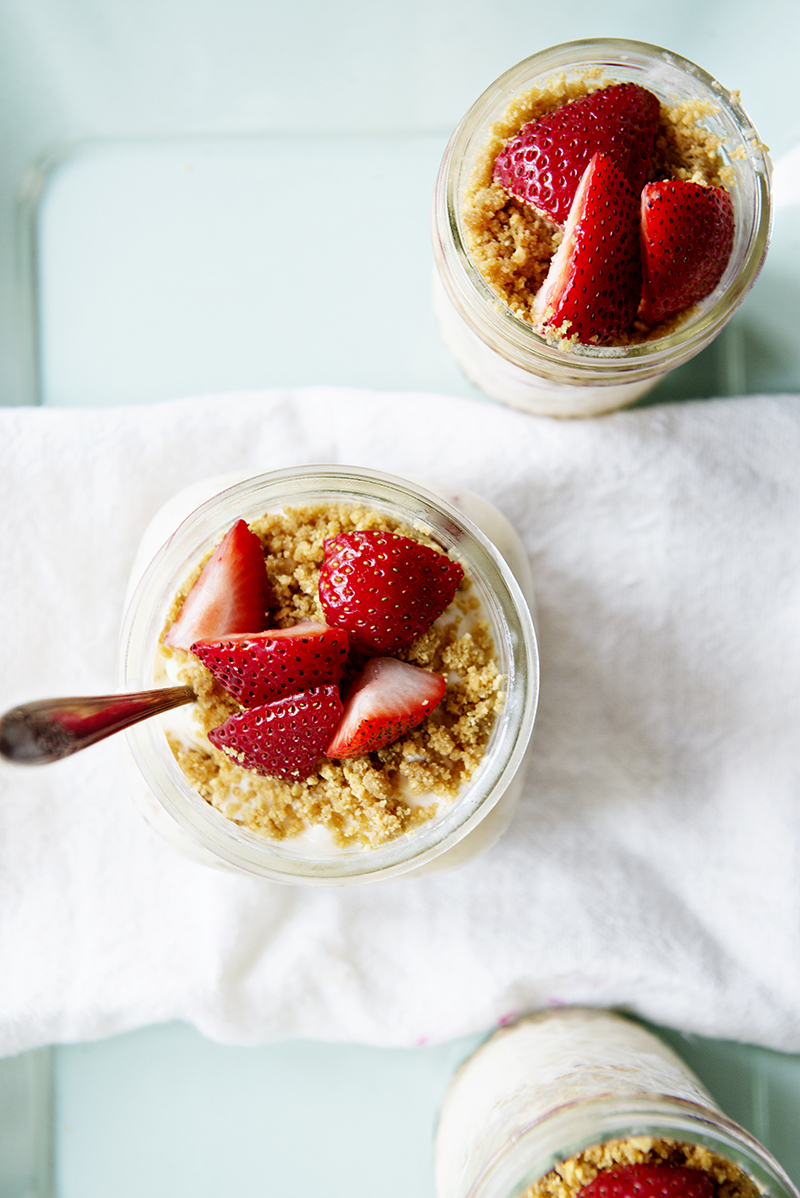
[49,729]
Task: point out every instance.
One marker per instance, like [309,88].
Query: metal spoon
[50,729]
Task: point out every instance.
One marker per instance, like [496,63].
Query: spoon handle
[50,729]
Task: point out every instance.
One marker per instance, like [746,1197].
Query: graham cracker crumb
[364,801]
[569,1177]
[512,245]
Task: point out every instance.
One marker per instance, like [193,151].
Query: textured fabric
[654,859]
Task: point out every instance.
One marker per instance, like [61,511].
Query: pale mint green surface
[215,195]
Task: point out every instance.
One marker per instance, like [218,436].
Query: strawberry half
[687,238]
[284,739]
[258,669]
[595,278]
[543,164]
[384,589]
[231,595]
[387,699]
[649,1181]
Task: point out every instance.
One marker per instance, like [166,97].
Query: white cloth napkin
[654,860]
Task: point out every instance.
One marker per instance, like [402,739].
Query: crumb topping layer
[364,801]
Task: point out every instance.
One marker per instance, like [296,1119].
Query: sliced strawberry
[387,699]
[687,238]
[543,164]
[231,595]
[595,278]
[384,589]
[282,661]
[283,739]
[649,1181]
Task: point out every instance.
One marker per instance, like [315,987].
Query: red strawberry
[258,669]
[595,277]
[687,238]
[387,699]
[384,589]
[231,595]
[543,164]
[649,1181]
[284,739]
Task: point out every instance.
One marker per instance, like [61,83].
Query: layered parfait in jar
[364,669]
[600,213]
[585,1103]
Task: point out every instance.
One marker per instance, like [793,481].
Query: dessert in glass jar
[365,669]
[584,1103]
[600,213]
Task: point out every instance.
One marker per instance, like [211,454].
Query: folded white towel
[654,861]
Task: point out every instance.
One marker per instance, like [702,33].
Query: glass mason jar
[546,1088]
[473,532]
[501,353]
